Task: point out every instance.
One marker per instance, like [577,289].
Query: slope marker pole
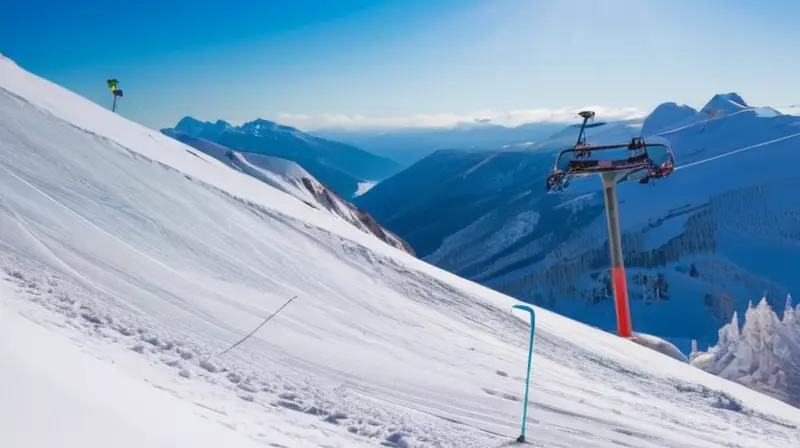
[521,438]
[624,327]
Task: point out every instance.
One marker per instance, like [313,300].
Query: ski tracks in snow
[565,411]
[322,405]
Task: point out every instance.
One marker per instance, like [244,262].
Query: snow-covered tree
[764,354]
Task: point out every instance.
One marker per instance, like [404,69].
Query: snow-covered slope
[57,393]
[291,178]
[668,116]
[151,260]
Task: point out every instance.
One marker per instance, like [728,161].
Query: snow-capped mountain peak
[193,126]
[723,103]
[665,116]
[260,127]
[340,166]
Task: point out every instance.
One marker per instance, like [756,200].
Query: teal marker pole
[521,438]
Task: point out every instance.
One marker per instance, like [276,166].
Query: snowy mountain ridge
[291,178]
[340,166]
[723,103]
[132,263]
[410,145]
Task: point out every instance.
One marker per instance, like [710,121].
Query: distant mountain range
[342,167]
[409,145]
[441,194]
[291,178]
[723,229]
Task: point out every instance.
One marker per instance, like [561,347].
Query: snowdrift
[153,258]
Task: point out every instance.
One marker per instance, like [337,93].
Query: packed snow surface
[59,395]
[142,260]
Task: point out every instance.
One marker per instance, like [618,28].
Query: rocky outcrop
[329,200]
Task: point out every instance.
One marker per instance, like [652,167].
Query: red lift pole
[624,327]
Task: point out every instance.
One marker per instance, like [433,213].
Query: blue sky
[393,63]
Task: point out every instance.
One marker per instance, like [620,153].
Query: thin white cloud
[789,110]
[510,118]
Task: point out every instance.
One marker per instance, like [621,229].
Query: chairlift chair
[586,159]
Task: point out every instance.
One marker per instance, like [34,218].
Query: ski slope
[281,174]
[289,177]
[52,399]
[140,260]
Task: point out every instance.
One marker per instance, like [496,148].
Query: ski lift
[636,161]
